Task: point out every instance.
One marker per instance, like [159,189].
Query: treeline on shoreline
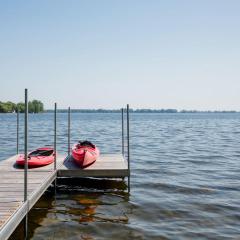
[37,106]
[34,106]
[137,111]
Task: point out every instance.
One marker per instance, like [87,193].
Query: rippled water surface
[185,178]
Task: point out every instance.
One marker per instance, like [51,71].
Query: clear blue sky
[103,54]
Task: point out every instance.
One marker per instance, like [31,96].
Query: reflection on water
[185,181]
[75,210]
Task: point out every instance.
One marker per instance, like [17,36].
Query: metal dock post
[122,132]
[55,136]
[128,149]
[55,147]
[26,161]
[69,130]
[17,130]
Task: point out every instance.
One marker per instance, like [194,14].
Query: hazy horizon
[104,54]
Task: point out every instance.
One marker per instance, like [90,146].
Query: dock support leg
[26,227]
[55,193]
[55,186]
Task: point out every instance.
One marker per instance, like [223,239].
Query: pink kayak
[37,158]
[85,153]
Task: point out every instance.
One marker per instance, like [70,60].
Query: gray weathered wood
[107,166]
[12,207]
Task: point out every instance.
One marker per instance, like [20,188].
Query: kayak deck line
[13,209]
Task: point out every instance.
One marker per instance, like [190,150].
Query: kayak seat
[85,143]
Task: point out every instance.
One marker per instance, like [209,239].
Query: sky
[104,54]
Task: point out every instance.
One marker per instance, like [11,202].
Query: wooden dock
[12,206]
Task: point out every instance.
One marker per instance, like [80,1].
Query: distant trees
[34,106]
[7,107]
[20,107]
[156,110]
[117,110]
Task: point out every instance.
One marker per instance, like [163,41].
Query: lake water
[185,178]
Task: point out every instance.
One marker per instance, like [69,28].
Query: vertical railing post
[122,132]
[17,130]
[55,136]
[69,130]
[26,161]
[26,145]
[128,149]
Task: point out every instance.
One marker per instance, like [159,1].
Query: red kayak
[85,153]
[38,158]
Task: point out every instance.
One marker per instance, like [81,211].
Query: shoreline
[131,110]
